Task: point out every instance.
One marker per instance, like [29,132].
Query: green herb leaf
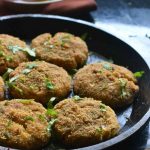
[31,66]
[99,130]
[49,85]
[102,107]
[16,48]
[100,71]
[9,58]
[42,117]
[2,53]
[9,123]
[29,118]
[24,101]
[139,74]
[77,98]
[18,89]
[108,67]
[123,84]
[6,74]
[13,78]
[50,124]
[50,103]
[31,52]
[26,71]
[51,112]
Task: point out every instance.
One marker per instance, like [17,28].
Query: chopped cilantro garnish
[50,103]
[51,112]
[6,74]
[50,124]
[9,123]
[31,52]
[26,71]
[16,48]
[18,89]
[139,74]
[100,71]
[49,84]
[102,107]
[107,66]
[42,117]
[99,130]
[2,53]
[29,118]
[77,98]
[123,84]
[31,66]
[24,101]
[13,78]
[9,58]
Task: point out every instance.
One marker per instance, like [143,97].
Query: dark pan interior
[131,118]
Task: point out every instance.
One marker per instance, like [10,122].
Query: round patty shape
[39,80]
[1,89]
[64,49]
[23,124]
[10,55]
[112,84]
[84,121]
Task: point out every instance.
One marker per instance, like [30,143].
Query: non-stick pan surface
[131,118]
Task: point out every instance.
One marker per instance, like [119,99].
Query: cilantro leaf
[13,78]
[139,74]
[29,118]
[50,103]
[123,84]
[77,98]
[31,52]
[24,101]
[102,107]
[107,66]
[6,74]
[26,71]
[51,112]
[31,66]
[49,85]
[50,124]
[16,48]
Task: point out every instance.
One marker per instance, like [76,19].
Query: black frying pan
[28,26]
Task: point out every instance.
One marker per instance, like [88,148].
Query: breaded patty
[84,121]
[64,49]
[23,124]
[39,80]
[114,85]
[1,89]
[10,54]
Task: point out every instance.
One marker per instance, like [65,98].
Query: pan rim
[126,134]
